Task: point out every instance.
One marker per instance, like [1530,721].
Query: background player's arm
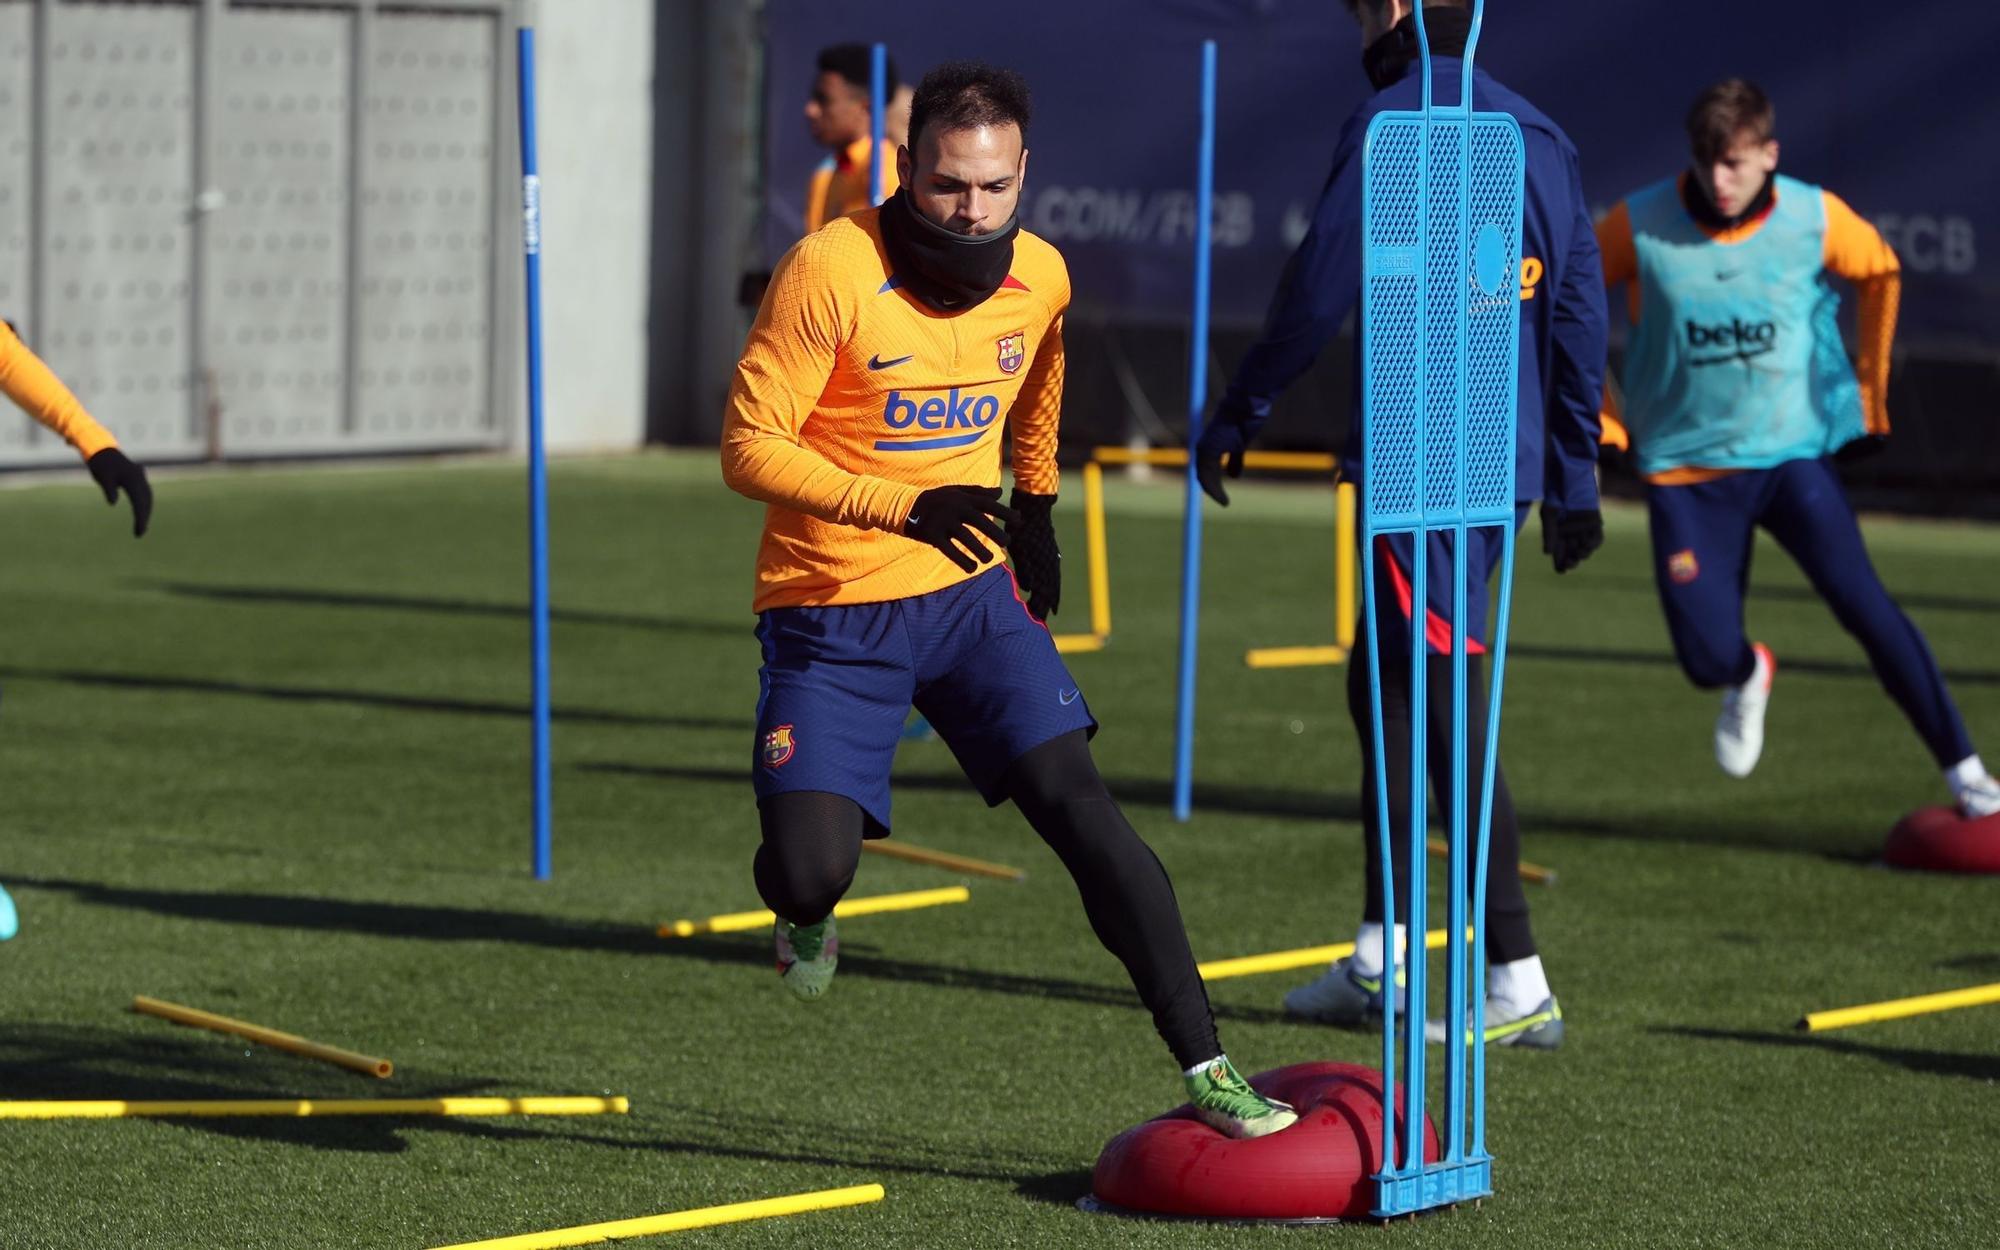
[32,385]
[1856,251]
[1576,383]
[1035,420]
[1620,261]
[785,367]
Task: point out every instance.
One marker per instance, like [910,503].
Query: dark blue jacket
[1562,323]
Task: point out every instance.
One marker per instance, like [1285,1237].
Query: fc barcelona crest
[777,746]
[1013,349]
[1682,567]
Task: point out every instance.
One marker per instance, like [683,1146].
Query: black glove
[1031,544]
[1223,442]
[1571,536]
[951,518]
[113,471]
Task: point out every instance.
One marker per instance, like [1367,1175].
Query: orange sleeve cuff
[35,387]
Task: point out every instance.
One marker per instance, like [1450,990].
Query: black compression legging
[812,844]
[1508,936]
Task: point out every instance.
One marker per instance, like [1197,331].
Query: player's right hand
[1569,536]
[113,472]
[1220,451]
[952,519]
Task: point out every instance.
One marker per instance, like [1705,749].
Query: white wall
[594,71]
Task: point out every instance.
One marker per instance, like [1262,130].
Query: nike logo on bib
[876,362]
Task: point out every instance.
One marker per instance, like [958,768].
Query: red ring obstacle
[1938,839]
[1323,1167]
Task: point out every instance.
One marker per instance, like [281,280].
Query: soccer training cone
[1938,839]
[1319,1169]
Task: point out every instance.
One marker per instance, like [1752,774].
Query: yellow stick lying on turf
[943,859]
[1896,1008]
[1529,872]
[737,922]
[368,1065]
[107,1109]
[704,1217]
[1282,961]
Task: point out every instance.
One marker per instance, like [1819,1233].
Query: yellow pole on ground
[1529,872]
[113,1109]
[741,921]
[1284,961]
[1177,457]
[943,859]
[1896,1008]
[704,1217]
[367,1065]
[1343,566]
[1098,552]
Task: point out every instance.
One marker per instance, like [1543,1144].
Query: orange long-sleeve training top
[1853,250]
[842,183]
[853,397]
[35,387]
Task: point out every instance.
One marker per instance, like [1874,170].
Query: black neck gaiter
[1387,59]
[949,271]
[1703,209]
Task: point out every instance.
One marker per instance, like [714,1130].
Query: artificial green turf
[272,761]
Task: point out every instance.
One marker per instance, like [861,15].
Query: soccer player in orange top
[1739,396]
[840,116]
[891,350]
[30,384]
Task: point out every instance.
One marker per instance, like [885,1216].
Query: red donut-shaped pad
[1941,840]
[1320,1167]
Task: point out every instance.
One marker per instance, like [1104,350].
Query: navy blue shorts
[838,683]
[1393,564]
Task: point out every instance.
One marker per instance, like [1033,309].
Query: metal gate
[225,257]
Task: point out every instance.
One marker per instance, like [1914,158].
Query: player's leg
[1812,520]
[1702,540]
[834,688]
[1016,720]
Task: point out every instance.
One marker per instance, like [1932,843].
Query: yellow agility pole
[1098,564]
[1344,504]
[367,1065]
[1897,1008]
[703,1217]
[1284,961]
[113,1109]
[1441,849]
[943,859]
[741,921]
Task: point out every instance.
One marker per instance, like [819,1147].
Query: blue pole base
[1436,1185]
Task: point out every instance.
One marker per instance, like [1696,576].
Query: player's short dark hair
[965,95]
[1354,6]
[1727,112]
[855,62]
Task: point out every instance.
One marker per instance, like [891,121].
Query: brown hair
[1731,110]
[1354,6]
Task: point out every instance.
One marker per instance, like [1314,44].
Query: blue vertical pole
[1204,193]
[538,485]
[878,102]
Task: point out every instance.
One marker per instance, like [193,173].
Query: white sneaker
[1980,798]
[1739,731]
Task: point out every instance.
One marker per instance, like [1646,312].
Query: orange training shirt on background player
[853,397]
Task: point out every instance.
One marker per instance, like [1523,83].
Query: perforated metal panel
[16,275]
[426,232]
[276,311]
[121,83]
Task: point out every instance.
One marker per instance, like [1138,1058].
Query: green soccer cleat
[807,956]
[1540,1029]
[1226,1103]
[1342,996]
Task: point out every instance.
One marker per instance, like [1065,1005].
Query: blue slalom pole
[878,100]
[1204,194]
[538,483]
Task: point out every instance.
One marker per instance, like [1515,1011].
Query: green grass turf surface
[272,761]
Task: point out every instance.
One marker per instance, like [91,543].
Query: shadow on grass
[45,1061]
[1927,1062]
[377,601]
[364,698]
[456,924]
[1705,828]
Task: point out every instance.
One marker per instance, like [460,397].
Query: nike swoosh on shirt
[1069,696]
[876,362]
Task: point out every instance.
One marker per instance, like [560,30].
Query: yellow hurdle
[367,1065]
[1897,1008]
[742,921]
[1098,563]
[943,859]
[703,1217]
[1344,507]
[1294,657]
[1284,961]
[111,1109]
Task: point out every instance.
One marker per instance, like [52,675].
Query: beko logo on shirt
[1734,339]
[951,411]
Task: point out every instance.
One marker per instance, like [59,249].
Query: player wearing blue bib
[1738,395]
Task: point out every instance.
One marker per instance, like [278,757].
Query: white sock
[1520,986]
[1204,1066]
[1964,773]
[1368,947]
